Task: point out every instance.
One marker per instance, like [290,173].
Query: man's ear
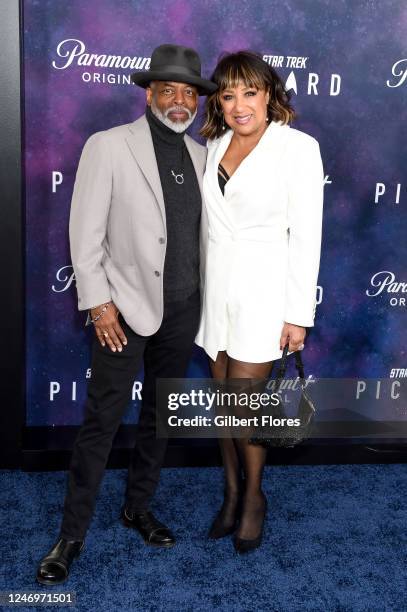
[149,95]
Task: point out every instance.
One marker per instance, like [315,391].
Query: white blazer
[263,252]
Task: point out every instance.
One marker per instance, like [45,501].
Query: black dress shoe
[54,567]
[153,531]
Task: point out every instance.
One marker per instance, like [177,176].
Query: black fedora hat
[175,63]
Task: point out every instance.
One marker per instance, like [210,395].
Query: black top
[223,178]
[182,199]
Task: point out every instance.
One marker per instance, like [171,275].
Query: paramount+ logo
[72,52]
[385,283]
[399,74]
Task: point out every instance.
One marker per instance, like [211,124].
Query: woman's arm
[305,203]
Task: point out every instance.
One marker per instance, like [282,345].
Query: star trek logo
[398,373]
[314,86]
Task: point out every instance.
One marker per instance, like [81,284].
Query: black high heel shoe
[244,546]
[218,528]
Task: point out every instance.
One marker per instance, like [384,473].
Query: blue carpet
[335,540]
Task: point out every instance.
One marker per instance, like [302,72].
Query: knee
[219,367]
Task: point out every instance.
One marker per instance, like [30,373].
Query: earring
[223,123]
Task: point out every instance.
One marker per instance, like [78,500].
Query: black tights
[241,459]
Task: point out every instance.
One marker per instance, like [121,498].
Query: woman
[263,189]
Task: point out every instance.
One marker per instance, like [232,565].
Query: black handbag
[290,435]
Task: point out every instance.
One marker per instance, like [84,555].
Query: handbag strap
[283,367]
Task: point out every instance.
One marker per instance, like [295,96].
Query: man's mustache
[178,109]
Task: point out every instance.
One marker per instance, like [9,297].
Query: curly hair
[249,68]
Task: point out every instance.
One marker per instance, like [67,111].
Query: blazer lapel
[212,175]
[141,145]
[266,157]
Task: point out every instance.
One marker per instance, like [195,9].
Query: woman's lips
[243,119]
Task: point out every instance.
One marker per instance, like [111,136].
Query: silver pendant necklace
[179,178]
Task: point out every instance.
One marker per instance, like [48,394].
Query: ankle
[255,497]
[231,494]
[234,489]
[70,539]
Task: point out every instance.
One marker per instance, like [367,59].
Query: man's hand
[108,328]
[294,335]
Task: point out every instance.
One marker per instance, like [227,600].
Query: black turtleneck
[182,210]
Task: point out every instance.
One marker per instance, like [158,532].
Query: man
[137,229]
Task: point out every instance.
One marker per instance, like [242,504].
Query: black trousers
[166,355]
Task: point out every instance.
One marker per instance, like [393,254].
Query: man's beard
[175,126]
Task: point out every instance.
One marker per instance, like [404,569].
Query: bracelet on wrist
[102,312]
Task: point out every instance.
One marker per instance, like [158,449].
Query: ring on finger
[105,333]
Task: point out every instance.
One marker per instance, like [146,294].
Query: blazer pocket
[122,275]
[121,264]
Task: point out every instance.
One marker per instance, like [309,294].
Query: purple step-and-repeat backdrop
[346,63]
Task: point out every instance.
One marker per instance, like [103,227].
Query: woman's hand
[108,328]
[294,335]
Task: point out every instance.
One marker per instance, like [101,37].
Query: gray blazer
[117,225]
